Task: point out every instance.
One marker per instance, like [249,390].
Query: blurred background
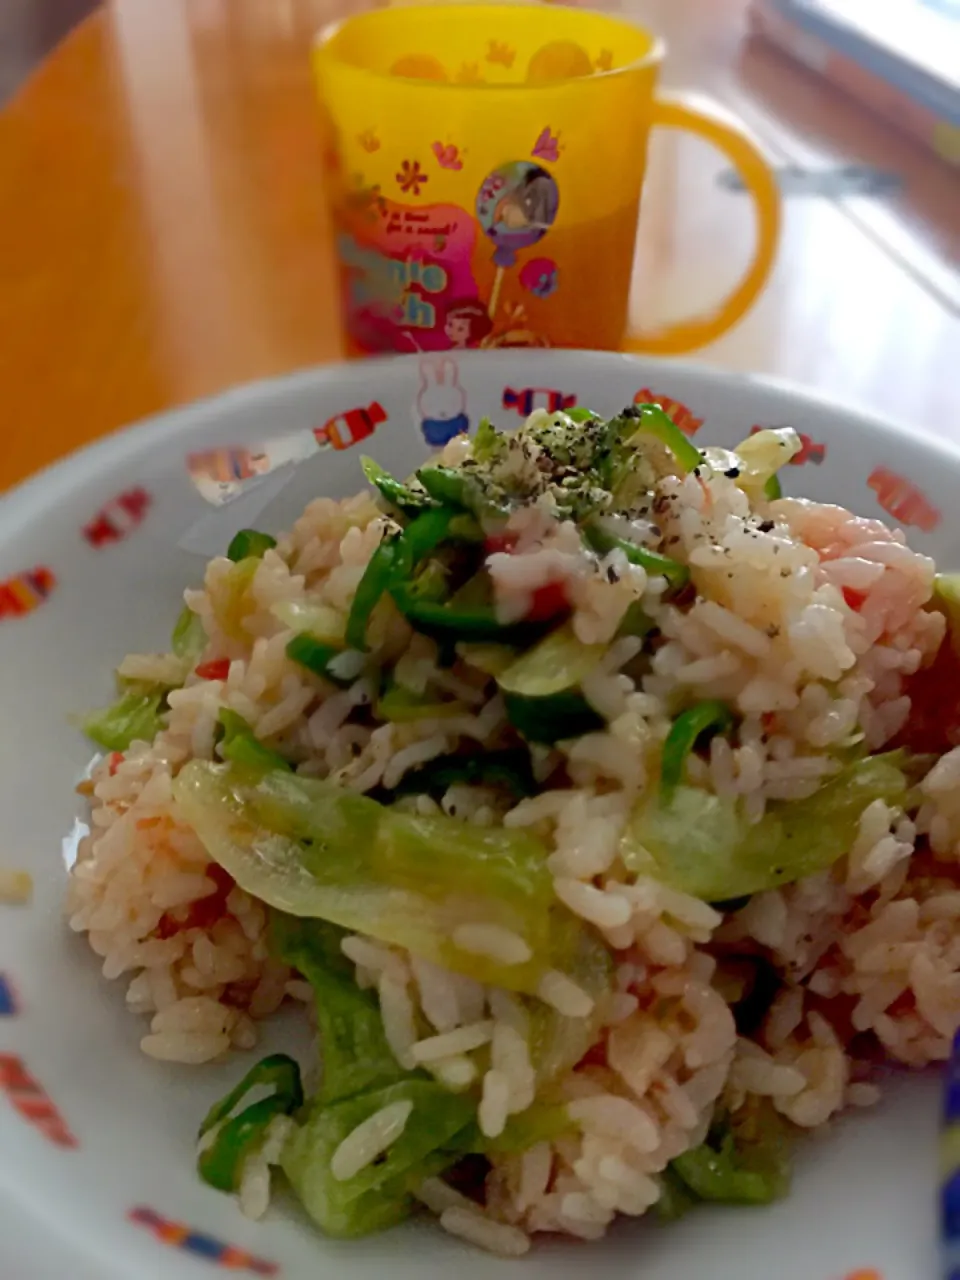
[165,233]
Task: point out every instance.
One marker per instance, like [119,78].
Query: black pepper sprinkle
[766,526]
[773,631]
[732,473]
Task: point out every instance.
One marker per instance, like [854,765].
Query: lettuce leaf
[314,849]
[703,845]
[134,717]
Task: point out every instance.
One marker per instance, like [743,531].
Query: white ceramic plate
[112,1192]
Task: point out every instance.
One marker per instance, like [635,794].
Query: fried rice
[674,705]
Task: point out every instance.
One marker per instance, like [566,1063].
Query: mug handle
[707,121]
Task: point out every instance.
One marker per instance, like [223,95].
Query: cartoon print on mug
[440,410]
[466,323]
[516,206]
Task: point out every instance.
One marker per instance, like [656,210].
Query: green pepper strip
[371,587]
[221,1164]
[454,488]
[677,574]
[392,565]
[508,768]
[476,622]
[249,543]
[397,493]
[682,738]
[773,489]
[240,745]
[654,422]
[309,652]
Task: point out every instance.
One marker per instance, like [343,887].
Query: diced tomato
[596,1056]
[218,669]
[499,542]
[205,911]
[116,759]
[934,692]
[547,601]
[854,599]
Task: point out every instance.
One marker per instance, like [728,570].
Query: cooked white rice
[867,950]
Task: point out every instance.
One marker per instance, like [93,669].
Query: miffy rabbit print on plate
[441,406]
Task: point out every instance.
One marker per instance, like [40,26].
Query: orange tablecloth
[164,232]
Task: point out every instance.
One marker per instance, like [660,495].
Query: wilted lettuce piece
[313,849]
[703,845]
[744,1160]
[135,717]
[189,638]
[354,1049]
[379,1195]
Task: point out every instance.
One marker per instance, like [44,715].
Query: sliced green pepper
[240,745]
[552,719]
[599,540]
[683,736]
[773,489]
[469,623]
[249,543]
[654,422]
[316,656]
[221,1163]
[398,494]
[371,589]
[458,489]
[509,768]
[580,414]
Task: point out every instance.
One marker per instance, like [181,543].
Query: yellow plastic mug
[485,164]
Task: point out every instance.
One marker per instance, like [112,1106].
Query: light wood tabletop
[164,232]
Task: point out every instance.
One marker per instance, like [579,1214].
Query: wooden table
[164,233]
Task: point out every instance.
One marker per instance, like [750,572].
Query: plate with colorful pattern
[98,1141]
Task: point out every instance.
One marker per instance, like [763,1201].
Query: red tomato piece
[500,542]
[934,692]
[547,601]
[218,669]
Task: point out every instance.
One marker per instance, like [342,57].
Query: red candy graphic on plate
[200,1245]
[678,412]
[25,592]
[901,499]
[32,1102]
[530,398]
[113,522]
[346,429]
